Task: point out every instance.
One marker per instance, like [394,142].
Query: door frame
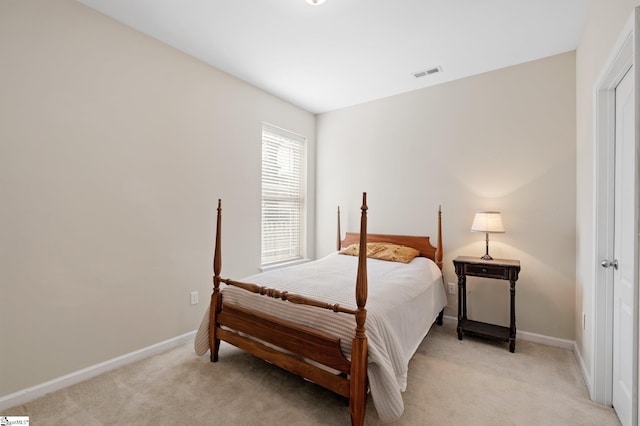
[625,56]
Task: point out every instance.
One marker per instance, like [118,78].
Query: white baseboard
[532,337]
[546,340]
[583,368]
[29,394]
[449,319]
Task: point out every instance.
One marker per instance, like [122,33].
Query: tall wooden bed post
[339,245]
[216,296]
[439,248]
[358,391]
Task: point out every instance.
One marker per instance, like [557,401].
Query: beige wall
[503,140]
[604,24]
[113,150]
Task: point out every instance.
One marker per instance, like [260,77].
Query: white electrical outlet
[194,297]
[452,288]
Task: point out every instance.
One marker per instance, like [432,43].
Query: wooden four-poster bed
[298,335]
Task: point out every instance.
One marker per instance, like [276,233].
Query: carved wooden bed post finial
[358,391]
[339,242]
[439,249]
[216,297]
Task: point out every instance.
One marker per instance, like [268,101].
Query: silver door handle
[608,263]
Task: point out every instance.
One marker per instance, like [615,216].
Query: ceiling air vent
[427,72]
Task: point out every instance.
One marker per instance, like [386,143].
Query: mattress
[403,302]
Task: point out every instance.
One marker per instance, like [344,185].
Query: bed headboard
[420,243]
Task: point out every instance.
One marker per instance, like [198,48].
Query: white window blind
[283,198]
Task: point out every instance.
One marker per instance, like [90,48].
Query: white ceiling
[346,52]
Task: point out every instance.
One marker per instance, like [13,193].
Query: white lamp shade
[487,222]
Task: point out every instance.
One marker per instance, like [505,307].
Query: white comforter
[403,301]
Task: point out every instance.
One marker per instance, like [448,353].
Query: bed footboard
[295,346]
[289,345]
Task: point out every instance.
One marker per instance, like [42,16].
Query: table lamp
[487,222]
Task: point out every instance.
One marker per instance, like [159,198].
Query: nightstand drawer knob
[484,270]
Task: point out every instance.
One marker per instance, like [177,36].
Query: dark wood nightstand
[501,269]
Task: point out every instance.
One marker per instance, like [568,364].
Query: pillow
[396,253]
[384,251]
[352,250]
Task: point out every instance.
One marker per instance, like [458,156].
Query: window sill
[283,265]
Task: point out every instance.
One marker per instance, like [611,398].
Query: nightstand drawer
[487,271]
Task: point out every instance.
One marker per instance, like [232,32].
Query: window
[283,196]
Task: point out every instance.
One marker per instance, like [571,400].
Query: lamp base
[486,251]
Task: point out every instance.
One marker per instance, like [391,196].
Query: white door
[623,264]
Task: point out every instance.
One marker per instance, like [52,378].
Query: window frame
[291,142]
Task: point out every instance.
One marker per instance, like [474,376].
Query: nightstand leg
[512,325]
[462,303]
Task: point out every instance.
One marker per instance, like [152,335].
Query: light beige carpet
[451,382]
